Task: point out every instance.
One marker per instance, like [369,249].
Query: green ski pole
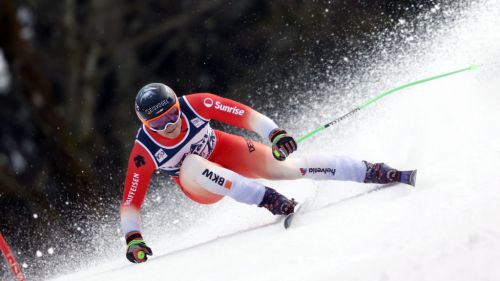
[383,94]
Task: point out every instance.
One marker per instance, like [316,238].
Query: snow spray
[367,103]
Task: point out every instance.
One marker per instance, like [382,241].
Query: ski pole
[14,267]
[383,94]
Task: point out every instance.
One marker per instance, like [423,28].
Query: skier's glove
[283,144]
[137,251]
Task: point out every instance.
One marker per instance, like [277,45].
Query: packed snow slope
[447,228]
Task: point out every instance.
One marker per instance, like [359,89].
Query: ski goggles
[171,116]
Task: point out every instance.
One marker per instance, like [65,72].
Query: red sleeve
[140,169]
[210,106]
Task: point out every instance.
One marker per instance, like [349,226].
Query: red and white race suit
[219,164]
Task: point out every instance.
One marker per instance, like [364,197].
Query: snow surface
[448,228]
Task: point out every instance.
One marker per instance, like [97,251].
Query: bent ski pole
[383,94]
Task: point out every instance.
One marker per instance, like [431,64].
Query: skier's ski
[299,208]
[408,177]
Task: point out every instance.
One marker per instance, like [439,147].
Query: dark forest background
[73,68]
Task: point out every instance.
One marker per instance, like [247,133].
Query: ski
[408,177]
[287,222]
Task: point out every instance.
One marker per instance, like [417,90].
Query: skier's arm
[140,169]
[210,106]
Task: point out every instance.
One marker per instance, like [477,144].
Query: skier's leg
[202,179]
[327,167]
[331,167]
[197,193]
[199,175]
[253,159]
[343,168]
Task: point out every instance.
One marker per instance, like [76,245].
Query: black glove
[137,251]
[283,144]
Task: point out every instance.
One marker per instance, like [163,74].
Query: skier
[208,164]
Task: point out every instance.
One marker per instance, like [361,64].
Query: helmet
[157,106]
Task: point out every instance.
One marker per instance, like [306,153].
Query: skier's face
[172,130]
[166,119]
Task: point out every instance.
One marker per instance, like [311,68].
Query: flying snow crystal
[24,265]
[35,216]
[38,254]
[50,251]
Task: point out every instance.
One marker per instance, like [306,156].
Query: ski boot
[381,173]
[277,203]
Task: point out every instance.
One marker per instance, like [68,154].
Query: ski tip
[413,178]
[288,220]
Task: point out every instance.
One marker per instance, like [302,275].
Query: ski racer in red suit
[208,164]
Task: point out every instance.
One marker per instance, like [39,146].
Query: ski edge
[287,222]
